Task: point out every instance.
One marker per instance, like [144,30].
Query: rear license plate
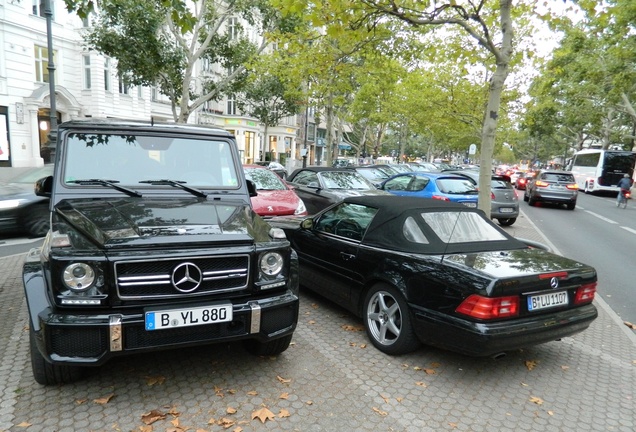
[544,301]
[505,210]
[162,319]
[470,204]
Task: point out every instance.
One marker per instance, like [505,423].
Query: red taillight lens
[492,195]
[573,186]
[585,293]
[480,307]
[441,198]
[521,181]
[540,183]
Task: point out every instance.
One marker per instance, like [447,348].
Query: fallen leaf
[252,393]
[309,402]
[283,380]
[175,422]
[524,384]
[630,325]
[380,412]
[231,410]
[212,421]
[536,400]
[236,429]
[145,428]
[453,425]
[400,399]
[152,416]
[80,401]
[173,412]
[363,346]
[24,425]
[565,367]
[551,413]
[386,398]
[349,327]
[435,364]
[284,396]
[417,368]
[311,322]
[226,422]
[263,415]
[152,380]
[430,371]
[531,364]
[352,344]
[421,384]
[104,400]
[315,305]
[283,413]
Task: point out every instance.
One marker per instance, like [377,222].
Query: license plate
[470,204]
[162,319]
[505,210]
[544,301]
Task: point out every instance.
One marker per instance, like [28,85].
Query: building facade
[87,85]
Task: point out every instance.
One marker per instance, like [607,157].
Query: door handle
[346,256]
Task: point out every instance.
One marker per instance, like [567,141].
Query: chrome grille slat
[148,280]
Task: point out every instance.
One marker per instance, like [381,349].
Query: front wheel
[388,322]
[269,348]
[571,206]
[46,373]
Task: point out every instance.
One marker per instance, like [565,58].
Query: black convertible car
[439,273]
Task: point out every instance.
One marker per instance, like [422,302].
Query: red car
[275,197]
[523,179]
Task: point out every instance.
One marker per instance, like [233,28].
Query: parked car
[373,173]
[552,186]
[423,166]
[274,196]
[523,179]
[319,187]
[439,273]
[504,205]
[21,210]
[439,186]
[275,167]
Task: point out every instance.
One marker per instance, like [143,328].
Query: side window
[398,183]
[305,177]
[418,184]
[412,232]
[347,220]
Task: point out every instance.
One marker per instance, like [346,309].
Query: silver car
[504,201]
[550,186]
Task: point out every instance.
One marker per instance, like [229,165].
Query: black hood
[161,221]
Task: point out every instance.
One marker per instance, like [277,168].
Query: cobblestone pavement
[331,378]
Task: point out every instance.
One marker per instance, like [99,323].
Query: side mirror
[44,186]
[307,223]
[251,188]
[313,185]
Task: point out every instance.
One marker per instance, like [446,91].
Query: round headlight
[79,277]
[271,263]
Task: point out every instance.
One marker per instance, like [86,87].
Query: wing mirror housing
[307,223]
[251,188]
[44,186]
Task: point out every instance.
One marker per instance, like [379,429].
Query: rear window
[455,186]
[564,178]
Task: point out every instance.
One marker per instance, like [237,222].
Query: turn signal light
[585,293]
[480,307]
[541,183]
[573,186]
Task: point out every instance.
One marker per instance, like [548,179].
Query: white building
[87,85]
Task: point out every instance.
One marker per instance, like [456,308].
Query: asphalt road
[600,234]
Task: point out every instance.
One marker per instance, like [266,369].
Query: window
[41,55]
[39,8]
[233,28]
[347,220]
[86,65]
[231,105]
[107,75]
[206,65]
[461,227]
[124,87]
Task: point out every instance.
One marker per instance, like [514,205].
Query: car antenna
[451,235]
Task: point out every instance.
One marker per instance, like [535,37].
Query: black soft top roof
[386,228]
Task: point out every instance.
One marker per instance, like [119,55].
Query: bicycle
[623,196]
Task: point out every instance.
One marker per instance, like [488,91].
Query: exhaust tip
[498,356]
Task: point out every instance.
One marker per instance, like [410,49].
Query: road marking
[601,217]
[631,230]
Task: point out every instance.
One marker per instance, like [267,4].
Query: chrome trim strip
[116,336]
[255,321]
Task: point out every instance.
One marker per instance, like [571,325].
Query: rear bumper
[555,197]
[91,340]
[485,339]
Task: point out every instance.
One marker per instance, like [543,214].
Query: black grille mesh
[79,342]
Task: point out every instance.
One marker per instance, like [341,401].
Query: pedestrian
[624,185]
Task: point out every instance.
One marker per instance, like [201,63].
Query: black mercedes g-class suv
[153,245]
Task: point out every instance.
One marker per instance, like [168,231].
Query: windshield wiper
[109,183]
[178,184]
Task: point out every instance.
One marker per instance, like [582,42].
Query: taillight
[492,195]
[441,198]
[573,186]
[480,307]
[585,293]
[541,183]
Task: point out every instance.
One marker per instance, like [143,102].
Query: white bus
[598,170]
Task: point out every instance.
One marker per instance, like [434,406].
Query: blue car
[440,186]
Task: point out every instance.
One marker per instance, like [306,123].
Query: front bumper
[91,340]
[485,339]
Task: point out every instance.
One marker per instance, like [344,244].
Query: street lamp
[52,136]
[304,152]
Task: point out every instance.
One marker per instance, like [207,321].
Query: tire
[525,197]
[531,201]
[570,206]
[46,373]
[37,220]
[506,221]
[270,348]
[387,321]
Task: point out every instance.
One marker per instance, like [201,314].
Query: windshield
[345,180]
[129,160]
[264,179]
